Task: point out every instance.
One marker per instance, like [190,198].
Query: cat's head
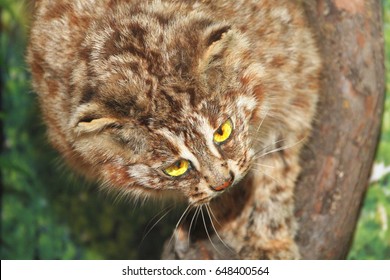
[167,104]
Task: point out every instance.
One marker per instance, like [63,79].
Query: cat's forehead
[187,119]
[134,71]
[149,47]
[160,40]
[189,134]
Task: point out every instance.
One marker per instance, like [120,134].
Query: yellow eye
[223,132]
[178,168]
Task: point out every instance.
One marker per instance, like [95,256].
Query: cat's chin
[206,200]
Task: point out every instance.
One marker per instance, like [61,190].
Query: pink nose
[224,185]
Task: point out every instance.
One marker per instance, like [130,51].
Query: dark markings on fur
[174,104]
[124,107]
[275,227]
[87,95]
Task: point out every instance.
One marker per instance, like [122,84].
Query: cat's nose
[225,185]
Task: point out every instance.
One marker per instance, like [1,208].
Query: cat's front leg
[261,225]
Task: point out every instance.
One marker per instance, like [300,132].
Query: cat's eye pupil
[223,133]
[178,168]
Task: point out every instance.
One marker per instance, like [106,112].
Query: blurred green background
[45,214]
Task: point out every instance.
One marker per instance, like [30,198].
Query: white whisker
[280,148]
[212,214]
[162,217]
[273,178]
[208,209]
[192,221]
[178,223]
[269,146]
[261,123]
[207,232]
[168,208]
[263,165]
[182,216]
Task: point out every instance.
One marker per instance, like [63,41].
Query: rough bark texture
[337,161]
[339,158]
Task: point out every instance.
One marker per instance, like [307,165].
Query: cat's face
[163,111]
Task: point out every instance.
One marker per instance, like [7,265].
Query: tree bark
[338,159]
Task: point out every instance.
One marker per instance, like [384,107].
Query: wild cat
[208,100]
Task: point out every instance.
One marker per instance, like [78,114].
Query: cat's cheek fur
[140,181]
[136,180]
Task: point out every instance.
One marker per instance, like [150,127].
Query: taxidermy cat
[210,101]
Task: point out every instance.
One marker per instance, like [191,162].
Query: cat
[210,101]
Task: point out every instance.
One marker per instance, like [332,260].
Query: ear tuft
[216,33]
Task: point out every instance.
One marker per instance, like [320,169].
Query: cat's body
[189,97]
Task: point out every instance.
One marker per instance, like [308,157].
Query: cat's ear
[218,39]
[89,119]
[216,33]
[95,124]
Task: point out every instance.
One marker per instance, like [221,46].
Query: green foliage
[47,214]
[372,240]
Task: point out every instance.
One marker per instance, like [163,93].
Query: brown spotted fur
[128,87]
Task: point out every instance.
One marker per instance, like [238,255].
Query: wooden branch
[337,162]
